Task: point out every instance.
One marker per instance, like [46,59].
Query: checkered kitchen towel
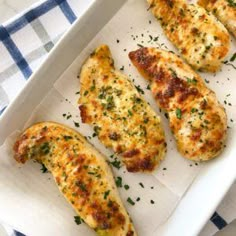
[25,42]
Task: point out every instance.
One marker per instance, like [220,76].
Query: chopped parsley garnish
[193,110]
[139,89]
[156,39]
[200,115]
[78,220]
[136,99]
[126,186]
[106,194]
[119,182]
[178,113]
[152,202]
[104,91]
[91,173]
[44,169]
[92,88]
[143,131]
[173,73]
[140,45]
[231,3]
[138,199]
[96,130]
[110,103]
[122,68]
[191,81]
[76,124]
[118,92]
[208,47]
[233,57]
[130,201]
[85,93]
[150,36]
[81,185]
[130,113]
[66,137]
[45,148]
[146,120]
[116,164]
[141,184]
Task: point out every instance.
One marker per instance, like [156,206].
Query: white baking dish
[215,177]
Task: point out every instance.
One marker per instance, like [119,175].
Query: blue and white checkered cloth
[24,44]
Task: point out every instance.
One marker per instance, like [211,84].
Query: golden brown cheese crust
[120,116]
[200,38]
[196,118]
[224,10]
[81,174]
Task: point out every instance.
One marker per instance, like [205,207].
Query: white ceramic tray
[214,178]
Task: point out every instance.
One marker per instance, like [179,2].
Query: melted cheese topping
[224,10]
[81,174]
[120,116]
[197,120]
[201,39]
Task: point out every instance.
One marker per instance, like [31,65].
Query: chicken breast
[200,38]
[81,173]
[120,116]
[224,10]
[196,118]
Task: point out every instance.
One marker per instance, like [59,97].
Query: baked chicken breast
[196,118]
[224,10]
[81,173]
[201,39]
[121,118]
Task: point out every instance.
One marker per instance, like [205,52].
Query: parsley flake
[45,148]
[231,3]
[191,81]
[178,113]
[141,184]
[116,164]
[126,186]
[66,137]
[233,57]
[139,89]
[106,194]
[44,169]
[119,182]
[76,124]
[130,201]
[78,220]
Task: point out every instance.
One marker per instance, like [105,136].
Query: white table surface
[10,8]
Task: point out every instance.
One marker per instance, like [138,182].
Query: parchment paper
[30,200]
